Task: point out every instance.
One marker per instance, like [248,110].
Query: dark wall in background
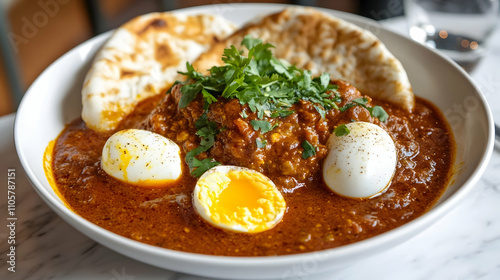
[35,26]
[380,9]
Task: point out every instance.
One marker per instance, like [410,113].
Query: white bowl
[54,100]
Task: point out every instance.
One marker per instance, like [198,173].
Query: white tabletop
[463,245]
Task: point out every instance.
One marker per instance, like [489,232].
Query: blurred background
[34,33]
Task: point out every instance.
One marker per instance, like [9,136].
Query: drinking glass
[459,29]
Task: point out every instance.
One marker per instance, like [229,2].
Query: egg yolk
[125,158]
[241,192]
[238,200]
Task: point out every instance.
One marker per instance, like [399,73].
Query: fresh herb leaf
[324,80]
[208,97]
[309,150]
[190,157]
[244,114]
[380,113]
[341,130]
[269,86]
[361,100]
[375,111]
[207,130]
[280,68]
[260,143]
[202,166]
[264,126]
[189,93]
[346,107]
[191,73]
[204,122]
[321,111]
[282,113]
[306,80]
[250,42]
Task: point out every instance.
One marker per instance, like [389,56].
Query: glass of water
[459,29]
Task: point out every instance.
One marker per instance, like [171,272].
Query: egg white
[362,163]
[142,158]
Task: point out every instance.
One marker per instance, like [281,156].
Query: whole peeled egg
[141,157]
[360,164]
[238,199]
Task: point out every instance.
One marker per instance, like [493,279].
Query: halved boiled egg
[238,199]
[362,163]
[141,157]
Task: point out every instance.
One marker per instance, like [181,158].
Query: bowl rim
[84,226]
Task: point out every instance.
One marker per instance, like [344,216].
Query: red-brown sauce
[315,219]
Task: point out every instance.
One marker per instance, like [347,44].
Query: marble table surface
[465,244]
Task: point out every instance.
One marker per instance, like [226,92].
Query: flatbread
[321,43]
[141,59]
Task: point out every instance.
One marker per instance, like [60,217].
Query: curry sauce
[315,218]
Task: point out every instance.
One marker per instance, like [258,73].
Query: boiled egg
[238,199]
[142,158]
[362,163]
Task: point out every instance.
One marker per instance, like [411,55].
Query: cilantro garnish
[309,150]
[189,93]
[202,166]
[321,111]
[206,131]
[378,112]
[341,130]
[264,126]
[260,143]
[362,101]
[375,111]
[267,85]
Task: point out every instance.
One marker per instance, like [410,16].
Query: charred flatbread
[321,43]
[141,59]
